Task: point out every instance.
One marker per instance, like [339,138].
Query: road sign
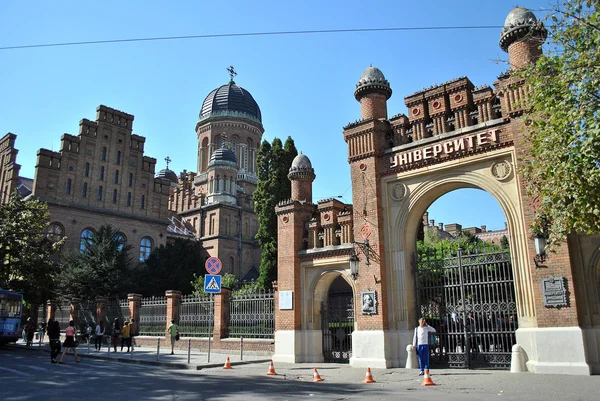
[213,265]
[212,283]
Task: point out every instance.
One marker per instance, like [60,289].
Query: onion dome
[167,174]
[301,169]
[223,157]
[519,24]
[372,81]
[230,101]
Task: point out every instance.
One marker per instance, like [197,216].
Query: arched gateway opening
[337,322]
[465,289]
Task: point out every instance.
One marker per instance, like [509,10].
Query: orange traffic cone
[369,377]
[227,364]
[316,377]
[271,370]
[427,379]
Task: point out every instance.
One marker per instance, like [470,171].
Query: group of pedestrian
[70,343]
[125,333]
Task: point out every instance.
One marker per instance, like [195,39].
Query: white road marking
[18,372]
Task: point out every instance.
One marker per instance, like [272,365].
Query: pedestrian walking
[54,339]
[70,342]
[132,332]
[99,336]
[421,342]
[173,330]
[30,330]
[41,330]
[125,338]
[116,332]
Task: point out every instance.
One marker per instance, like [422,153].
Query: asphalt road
[26,375]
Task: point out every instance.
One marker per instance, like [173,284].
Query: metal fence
[115,309]
[195,315]
[153,316]
[252,315]
[41,315]
[63,314]
[86,315]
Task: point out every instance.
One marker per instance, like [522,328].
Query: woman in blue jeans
[421,342]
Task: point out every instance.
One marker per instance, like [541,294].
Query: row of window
[87,174]
[84,192]
[56,231]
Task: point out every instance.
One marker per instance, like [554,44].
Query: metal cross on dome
[232,72]
[168,160]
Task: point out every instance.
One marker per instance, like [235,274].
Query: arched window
[143,202]
[119,157]
[231,263]
[115,196]
[121,240]
[68,188]
[130,179]
[116,176]
[100,193]
[102,173]
[87,236]
[128,198]
[87,169]
[145,248]
[104,153]
[55,231]
[84,190]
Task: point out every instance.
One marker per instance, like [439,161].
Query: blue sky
[303,83]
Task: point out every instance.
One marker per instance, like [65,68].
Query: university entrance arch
[454,135]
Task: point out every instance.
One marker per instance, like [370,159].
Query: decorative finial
[168,160]
[232,74]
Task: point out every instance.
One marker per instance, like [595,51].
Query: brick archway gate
[337,322]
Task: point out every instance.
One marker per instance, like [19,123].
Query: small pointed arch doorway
[337,321]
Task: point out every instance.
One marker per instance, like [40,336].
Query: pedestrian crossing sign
[212,283]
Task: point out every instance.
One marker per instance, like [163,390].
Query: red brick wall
[373,106]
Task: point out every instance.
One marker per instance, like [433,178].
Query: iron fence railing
[86,315]
[115,309]
[196,315]
[252,315]
[153,316]
[63,314]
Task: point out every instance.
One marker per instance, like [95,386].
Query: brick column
[173,301]
[51,308]
[135,301]
[100,309]
[221,314]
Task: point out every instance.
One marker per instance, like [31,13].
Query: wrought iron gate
[337,322]
[469,299]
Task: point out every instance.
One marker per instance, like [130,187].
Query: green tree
[103,269]
[25,252]
[563,158]
[273,164]
[169,267]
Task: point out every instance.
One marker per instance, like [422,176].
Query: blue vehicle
[11,307]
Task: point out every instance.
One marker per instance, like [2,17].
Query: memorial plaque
[368,302]
[554,291]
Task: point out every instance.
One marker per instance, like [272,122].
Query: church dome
[301,168]
[521,23]
[223,156]
[167,175]
[230,101]
[372,81]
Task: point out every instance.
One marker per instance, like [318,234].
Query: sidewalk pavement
[149,356]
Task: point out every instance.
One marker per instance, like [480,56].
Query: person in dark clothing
[30,330]
[116,332]
[54,338]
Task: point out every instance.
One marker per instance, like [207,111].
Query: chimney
[432,223]
[483,228]
[441,226]
[425,218]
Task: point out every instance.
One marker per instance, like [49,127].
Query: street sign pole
[210,325]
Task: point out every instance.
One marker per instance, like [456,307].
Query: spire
[232,74]
[168,160]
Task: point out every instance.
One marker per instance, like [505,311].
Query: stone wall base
[296,346]
[558,350]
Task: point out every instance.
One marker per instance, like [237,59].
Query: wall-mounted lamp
[365,248]
[539,241]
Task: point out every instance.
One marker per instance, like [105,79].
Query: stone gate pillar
[50,308]
[100,309]
[135,301]
[221,324]
[173,301]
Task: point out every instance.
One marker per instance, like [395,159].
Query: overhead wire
[242,34]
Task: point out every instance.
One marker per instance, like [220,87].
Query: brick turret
[522,37]
[373,91]
[301,175]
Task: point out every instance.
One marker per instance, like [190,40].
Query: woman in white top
[421,341]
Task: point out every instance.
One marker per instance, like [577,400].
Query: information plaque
[554,291]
